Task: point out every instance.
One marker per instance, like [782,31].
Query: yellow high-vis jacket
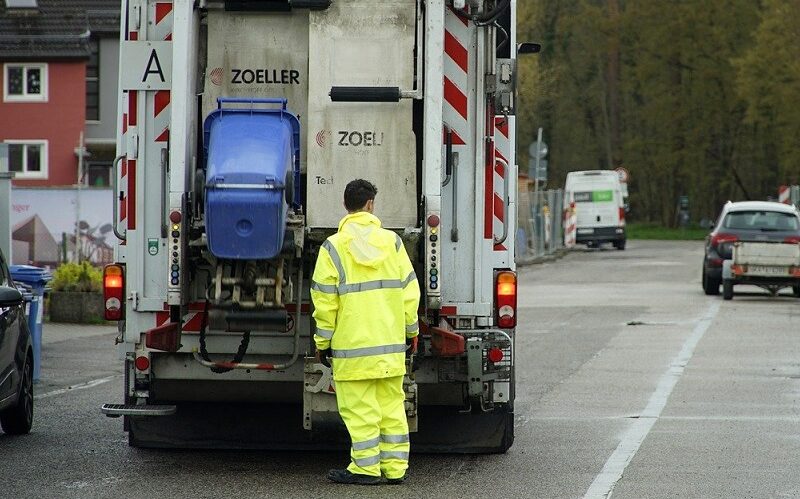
[366,297]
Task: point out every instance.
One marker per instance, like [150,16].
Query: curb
[535,260]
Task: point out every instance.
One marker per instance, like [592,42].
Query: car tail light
[142,363]
[795,271]
[738,269]
[506,299]
[722,237]
[792,240]
[114,292]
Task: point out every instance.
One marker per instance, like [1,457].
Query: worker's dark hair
[357,193]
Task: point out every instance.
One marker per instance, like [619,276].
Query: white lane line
[603,484]
[79,386]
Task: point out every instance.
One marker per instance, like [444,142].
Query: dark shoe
[345,476]
[395,481]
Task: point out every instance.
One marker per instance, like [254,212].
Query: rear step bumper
[117,410]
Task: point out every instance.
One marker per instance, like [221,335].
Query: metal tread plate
[116,410]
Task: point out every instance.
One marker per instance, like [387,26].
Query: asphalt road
[631,382]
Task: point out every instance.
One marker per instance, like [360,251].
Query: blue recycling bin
[36,278]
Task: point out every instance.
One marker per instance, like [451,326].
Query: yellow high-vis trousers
[374,413]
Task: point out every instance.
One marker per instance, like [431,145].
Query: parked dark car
[746,221]
[16,358]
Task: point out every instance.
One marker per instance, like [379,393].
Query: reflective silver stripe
[324,288]
[366,444]
[370,285]
[367,461]
[412,327]
[337,262]
[395,439]
[411,277]
[367,351]
[324,333]
[394,455]
[399,241]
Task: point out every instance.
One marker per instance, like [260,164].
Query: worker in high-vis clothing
[366,296]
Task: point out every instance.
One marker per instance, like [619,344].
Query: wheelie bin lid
[29,274]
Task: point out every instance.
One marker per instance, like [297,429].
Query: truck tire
[727,289]
[18,419]
[710,285]
[620,245]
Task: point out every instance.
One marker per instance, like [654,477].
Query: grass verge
[655,231]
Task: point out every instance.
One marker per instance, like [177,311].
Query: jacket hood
[363,240]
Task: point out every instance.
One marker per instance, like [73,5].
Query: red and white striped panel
[129,170]
[502,157]
[570,221]
[192,321]
[457,40]
[161,31]
[785,194]
[163,26]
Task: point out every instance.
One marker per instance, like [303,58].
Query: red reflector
[142,363]
[433,220]
[495,355]
[175,217]
[506,321]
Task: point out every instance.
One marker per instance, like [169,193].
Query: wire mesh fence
[540,226]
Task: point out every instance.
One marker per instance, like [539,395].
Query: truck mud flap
[448,430]
[280,427]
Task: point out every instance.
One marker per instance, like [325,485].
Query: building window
[93,82]
[98,174]
[25,82]
[27,158]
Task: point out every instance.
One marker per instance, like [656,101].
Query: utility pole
[81,152]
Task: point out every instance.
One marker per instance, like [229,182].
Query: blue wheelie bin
[36,278]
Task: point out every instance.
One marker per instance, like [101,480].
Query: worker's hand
[322,357]
[411,344]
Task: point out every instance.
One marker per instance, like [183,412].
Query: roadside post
[5,198]
[37,278]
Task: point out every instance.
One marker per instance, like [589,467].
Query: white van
[599,207]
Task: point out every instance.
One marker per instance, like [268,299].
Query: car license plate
[585,231]
[767,270]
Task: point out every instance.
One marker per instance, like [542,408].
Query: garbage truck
[240,123]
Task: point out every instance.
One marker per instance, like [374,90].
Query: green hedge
[83,277]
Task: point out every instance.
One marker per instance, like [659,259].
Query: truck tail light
[506,299]
[621,216]
[114,292]
[792,240]
[722,237]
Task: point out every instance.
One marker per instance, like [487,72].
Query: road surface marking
[603,484]
[79,386]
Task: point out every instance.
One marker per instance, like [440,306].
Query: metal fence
[540,224]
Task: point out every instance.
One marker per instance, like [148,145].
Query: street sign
[539,174]
[542,150]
